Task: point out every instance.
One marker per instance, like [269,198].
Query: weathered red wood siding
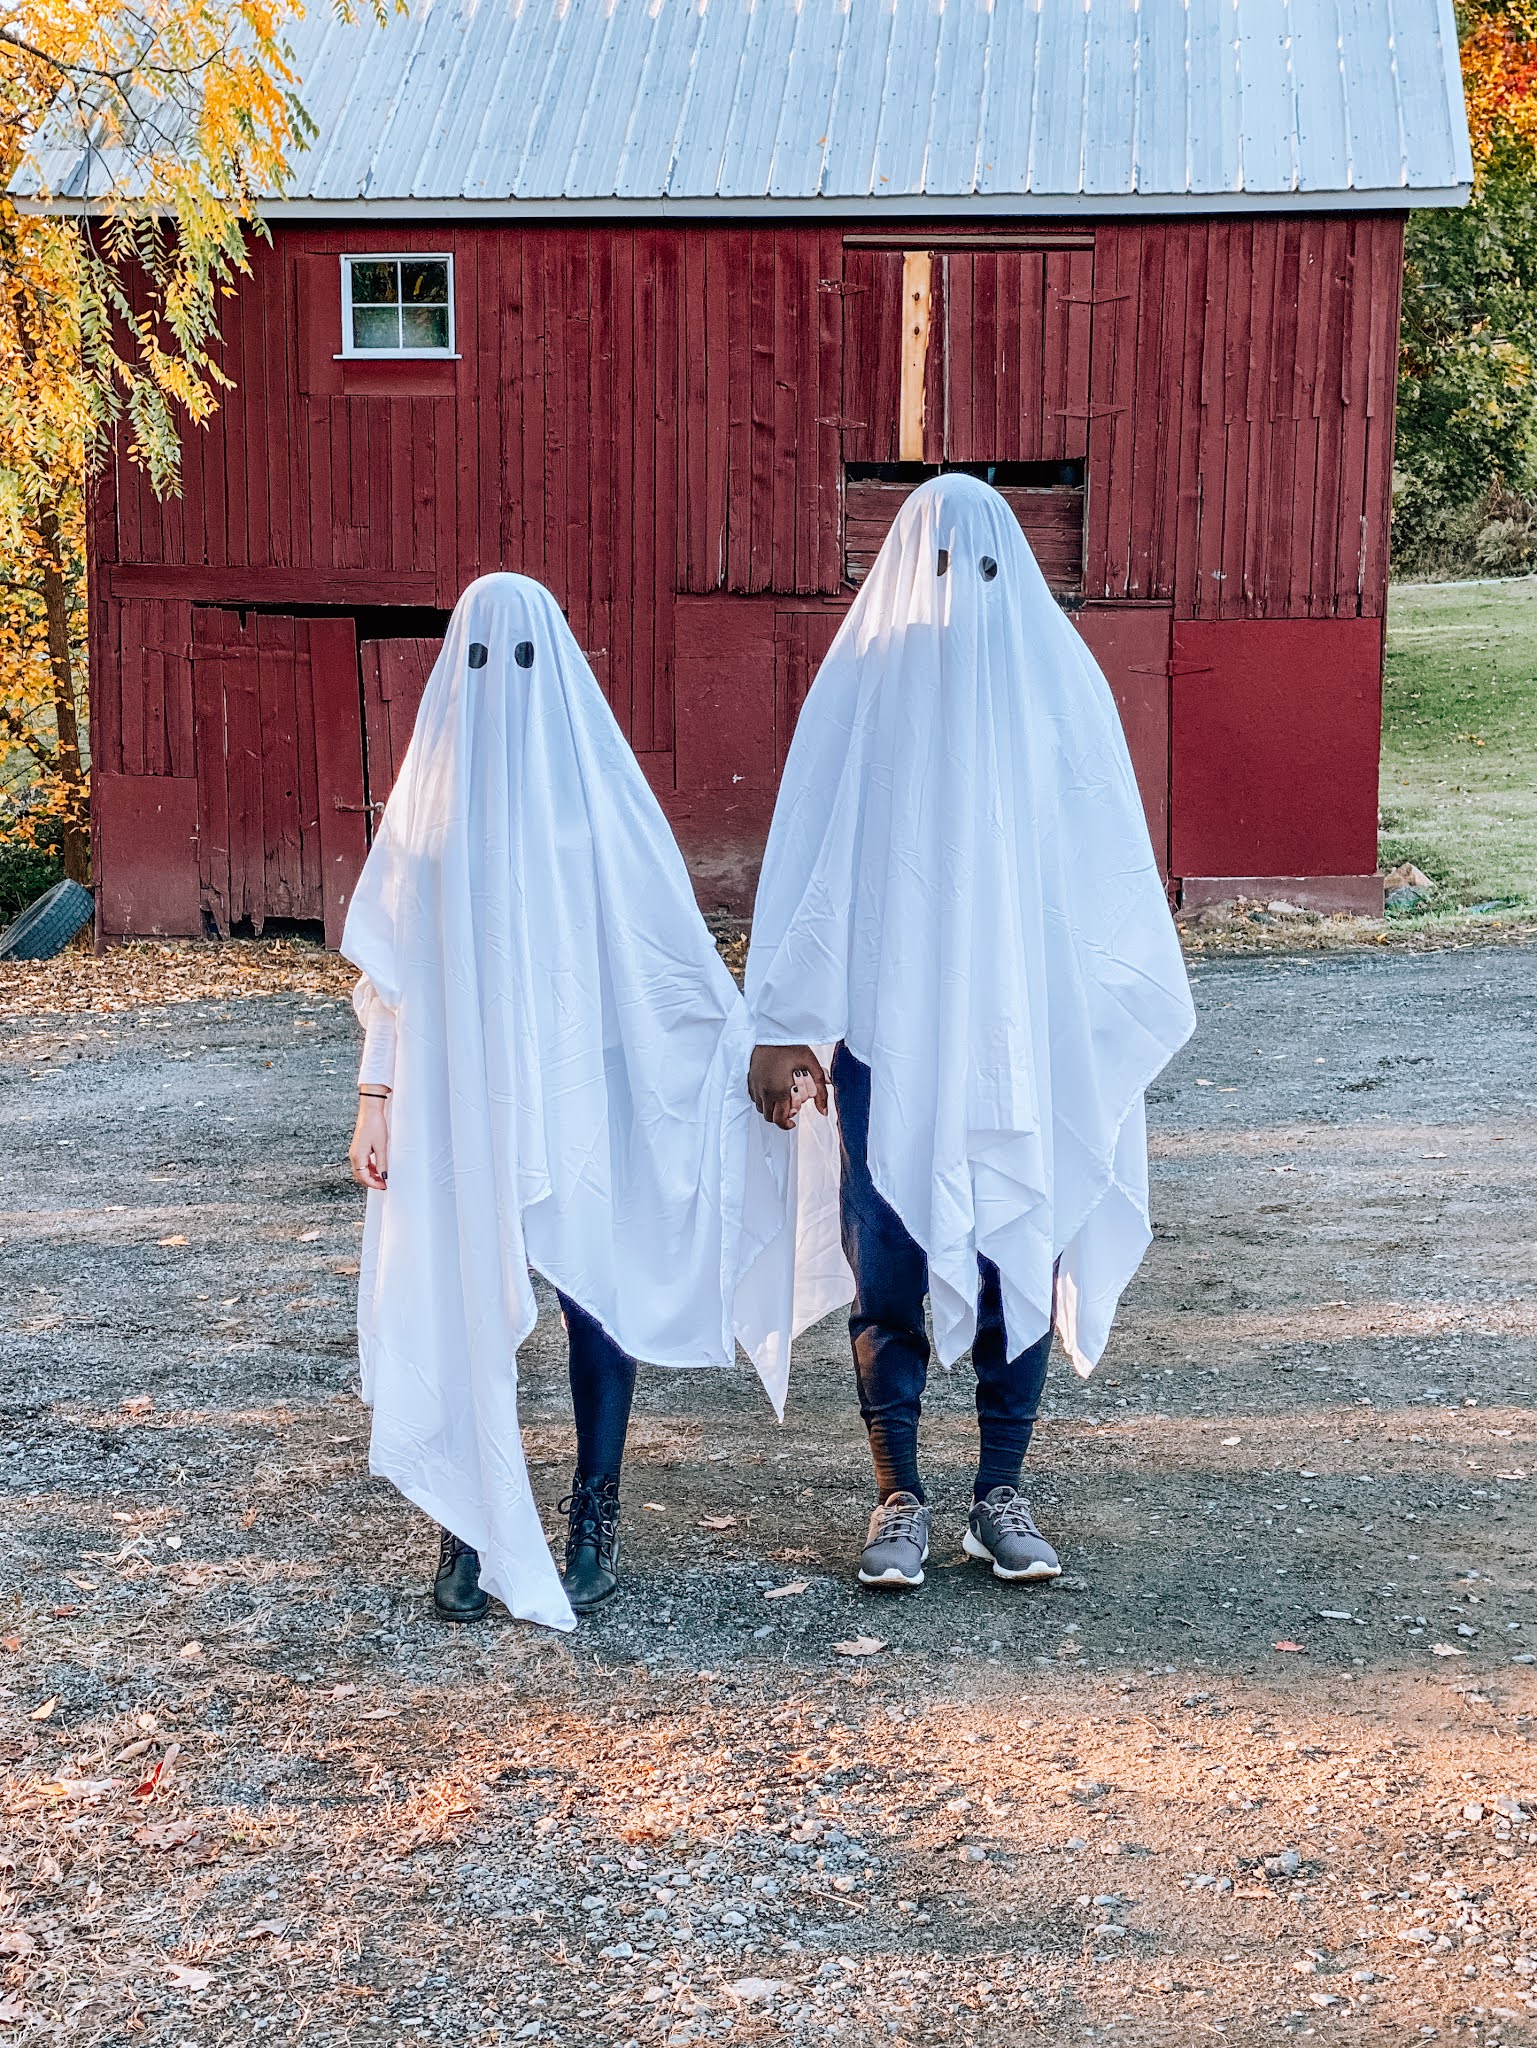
[649,418]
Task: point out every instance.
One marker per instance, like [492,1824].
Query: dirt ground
[1259,1765]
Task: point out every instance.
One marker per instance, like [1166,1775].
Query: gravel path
[1258,1766]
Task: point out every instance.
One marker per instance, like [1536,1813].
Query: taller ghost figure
[564,1054]
[961,919]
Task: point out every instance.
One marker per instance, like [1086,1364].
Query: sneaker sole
[891,1579]
[975,1547]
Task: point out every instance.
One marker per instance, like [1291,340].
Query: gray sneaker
[1002,1532]
[898,1547]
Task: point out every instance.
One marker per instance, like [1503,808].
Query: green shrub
[29,863]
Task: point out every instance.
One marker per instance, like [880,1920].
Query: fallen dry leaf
[11,1643]
[44,1712]
[859,1646]
[716,1522]
[190,1652]
[133,1749]
[170,1834]
[15,1941]
[170,1240]
[188,1978]
[309,1236]
[159,1777]
[1288,1646]
[653,1507]
[785,1592]
[81,1788]
[271,1927]
[137,1404]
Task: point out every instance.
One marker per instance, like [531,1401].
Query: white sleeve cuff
[377,1068]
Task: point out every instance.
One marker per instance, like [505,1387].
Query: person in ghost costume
[961,926]
[551,1077]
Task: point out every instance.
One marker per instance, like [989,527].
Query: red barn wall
[654,421]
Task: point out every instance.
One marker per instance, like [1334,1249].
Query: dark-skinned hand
[771,1081]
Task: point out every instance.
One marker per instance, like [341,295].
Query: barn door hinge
[841,286]
[836,420]
[366,809]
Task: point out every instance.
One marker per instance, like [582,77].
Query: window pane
[375,284]
[424,284]
[376,327]
[425,326]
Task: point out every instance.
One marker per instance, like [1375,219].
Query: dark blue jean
[602,1388]
[886,1327]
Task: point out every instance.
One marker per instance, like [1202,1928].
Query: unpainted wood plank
[917,293]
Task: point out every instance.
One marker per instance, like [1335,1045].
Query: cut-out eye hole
[478,654]
[523,654]
[988,567]
[944,561]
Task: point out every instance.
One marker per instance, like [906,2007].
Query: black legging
[602,1389]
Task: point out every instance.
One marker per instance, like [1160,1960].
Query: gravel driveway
[1257,1766]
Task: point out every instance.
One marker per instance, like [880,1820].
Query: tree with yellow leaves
[168,119]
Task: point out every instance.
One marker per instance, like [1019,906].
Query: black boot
[456,1590]
[592,1542]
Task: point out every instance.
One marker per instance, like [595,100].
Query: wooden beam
[916,266]
[200,584]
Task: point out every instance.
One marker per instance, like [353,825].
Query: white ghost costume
[568,1074]
[959,885]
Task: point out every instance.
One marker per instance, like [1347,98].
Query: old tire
[47,926]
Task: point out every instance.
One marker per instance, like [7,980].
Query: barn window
[397,305]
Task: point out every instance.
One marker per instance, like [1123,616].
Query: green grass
[1459,741]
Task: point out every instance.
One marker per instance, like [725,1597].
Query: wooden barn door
[395,674]
[279,768]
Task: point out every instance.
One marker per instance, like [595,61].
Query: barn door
[395,674]
[279,768]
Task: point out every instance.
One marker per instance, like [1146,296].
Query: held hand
[369,1153]
[772,1086]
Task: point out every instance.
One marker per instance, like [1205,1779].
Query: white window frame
[394,355]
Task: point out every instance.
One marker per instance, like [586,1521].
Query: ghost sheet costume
[959,885]
[568,1079]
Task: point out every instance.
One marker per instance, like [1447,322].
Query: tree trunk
[56,609]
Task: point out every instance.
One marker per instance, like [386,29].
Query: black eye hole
[523,654]
[988,567]
[478,654]
[944,561]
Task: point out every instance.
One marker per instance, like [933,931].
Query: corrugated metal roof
[857,106]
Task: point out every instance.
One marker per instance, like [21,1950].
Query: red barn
[669,305]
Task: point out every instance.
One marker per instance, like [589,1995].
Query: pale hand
[369,1153]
